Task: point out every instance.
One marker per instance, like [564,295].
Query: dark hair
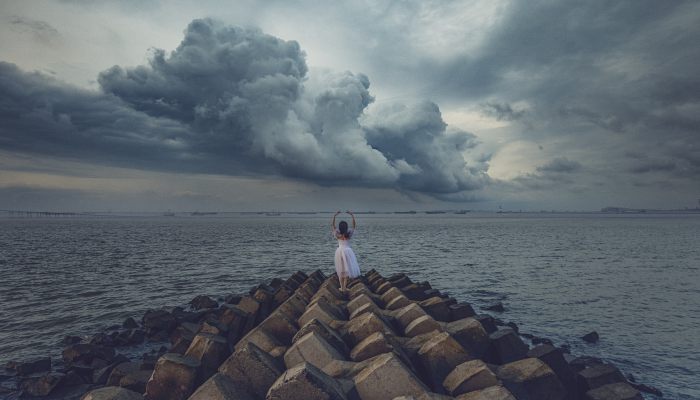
[343,228]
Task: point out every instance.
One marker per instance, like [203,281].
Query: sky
[301,105]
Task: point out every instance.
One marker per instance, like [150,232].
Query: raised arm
[353,219]
[333,223]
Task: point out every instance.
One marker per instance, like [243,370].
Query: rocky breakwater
[302,339]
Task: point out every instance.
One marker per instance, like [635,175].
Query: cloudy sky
[301,105]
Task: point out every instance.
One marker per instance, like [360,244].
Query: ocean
[635,279]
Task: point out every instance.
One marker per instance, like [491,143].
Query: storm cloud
[237,101]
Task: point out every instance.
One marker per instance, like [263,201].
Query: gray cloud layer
[237,101]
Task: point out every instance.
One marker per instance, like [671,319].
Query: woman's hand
[348,211]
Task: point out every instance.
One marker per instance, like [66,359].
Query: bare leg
[343,283]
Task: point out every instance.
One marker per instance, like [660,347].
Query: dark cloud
[560,164]
[501,111]
[238,101]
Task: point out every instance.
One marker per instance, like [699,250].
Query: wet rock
[30,366]
[130,323]
[647,389]
[416,291]
[488,322]
[41,385]
[470,334]
[210,350]
[438,307]
[120,370]
[371,346]
[86,353]
[174,378]
[158,322]
[422,325]
[252,369]
[386,377]
[531,379]
[305,382]
[220,387]
[539,340]
[554,358]
[357,329]
[328,333]
[580,363]
[469,376]
[490,393]
[312,349]
[69,340]
[504,347]
[461,311]
[598,375]
[438,357]
[202,302]
[400,280]
[614,391]
[591,337]
[136,380]
[497,307]
[100,375]
[112,393]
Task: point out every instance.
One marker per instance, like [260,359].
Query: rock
[554,358]
[391,294]
[383,287]
[252,369]
[365,308]
[120,370]
[531,379]
[580,363]
[461,311]
[386,377]
[312,349]
[158,321]
[136,380]
[487,322]
[438,307]
[497,307]
[438,357]
[112,393]
[371,346]
[400,280]
[263,340]
[598,375]
[408,314]
[215,327]
[251,306]
[415,291]
[614,391]
[591,337]
[101,375]
[31,366]
[366,324]
[210,350]
[398,302]
[305,382]
[203,302]
[422,325]
[504,347]
[321,310]
[220,387]
[279,326]
[359,301]
[647,389]
[328,333]
[130,323]
[174,378]
[469,376]
[470,334]
[86,353]
[41,385]
[490,393]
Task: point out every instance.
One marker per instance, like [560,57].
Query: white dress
[345,260]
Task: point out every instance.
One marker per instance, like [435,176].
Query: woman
[345,261]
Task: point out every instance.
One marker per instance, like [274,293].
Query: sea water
[635,279]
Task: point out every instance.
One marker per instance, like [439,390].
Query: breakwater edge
[301,338]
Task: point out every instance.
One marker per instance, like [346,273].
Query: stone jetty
[386,338]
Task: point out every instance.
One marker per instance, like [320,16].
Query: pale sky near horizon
[302,105]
